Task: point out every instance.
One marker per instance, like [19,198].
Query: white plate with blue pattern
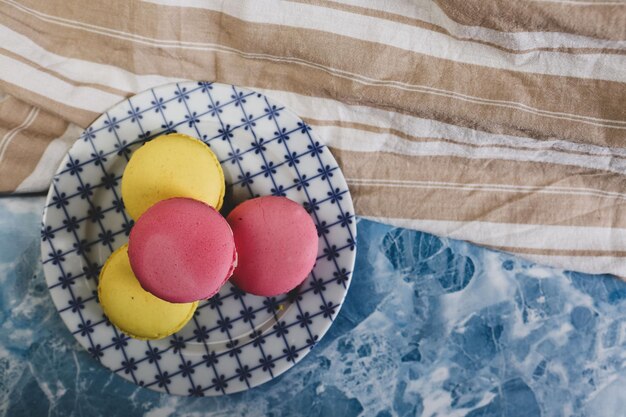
[235,341]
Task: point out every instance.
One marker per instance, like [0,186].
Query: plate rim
[44,247]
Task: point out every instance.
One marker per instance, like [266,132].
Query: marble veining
[430,327]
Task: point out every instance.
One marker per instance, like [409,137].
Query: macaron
[133,310]
[182,250]
[173,165]
[276,243]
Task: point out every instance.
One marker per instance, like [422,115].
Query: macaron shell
[133,310]
[173,165]
[182,250]
[276,242]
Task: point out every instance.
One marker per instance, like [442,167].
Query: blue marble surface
[430,327]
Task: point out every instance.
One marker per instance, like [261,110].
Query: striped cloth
[498,122]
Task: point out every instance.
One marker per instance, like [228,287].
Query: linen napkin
[498,122]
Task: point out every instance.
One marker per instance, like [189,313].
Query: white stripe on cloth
[8,137]
[27,77]
[512,235]
[415,39]
[362,141]
[497,188]
[78,69]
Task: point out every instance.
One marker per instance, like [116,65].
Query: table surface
[430,327]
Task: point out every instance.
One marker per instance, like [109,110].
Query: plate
[236,340]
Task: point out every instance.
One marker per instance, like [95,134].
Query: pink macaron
[182,250]
[276,243]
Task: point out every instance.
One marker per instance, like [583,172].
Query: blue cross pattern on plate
[235,340]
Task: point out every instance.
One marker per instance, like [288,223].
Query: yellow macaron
[132,309]
[168,166]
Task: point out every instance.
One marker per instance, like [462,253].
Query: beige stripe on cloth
[485,190]
[506,131]
[601,20]
[25,134]
[358,8]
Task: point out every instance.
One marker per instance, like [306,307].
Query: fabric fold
[492,124]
